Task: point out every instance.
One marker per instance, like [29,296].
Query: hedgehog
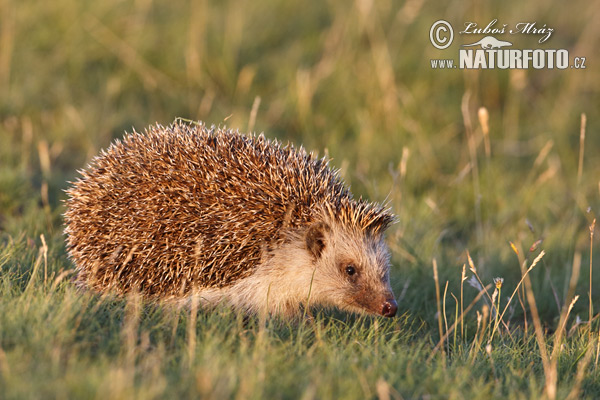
[190,210]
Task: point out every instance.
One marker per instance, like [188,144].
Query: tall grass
[492,174]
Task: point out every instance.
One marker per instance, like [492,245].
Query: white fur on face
[368,288]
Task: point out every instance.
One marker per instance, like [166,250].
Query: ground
[496,164]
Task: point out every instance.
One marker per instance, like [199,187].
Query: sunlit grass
[491,173]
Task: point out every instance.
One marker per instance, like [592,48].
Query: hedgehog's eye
[350,269]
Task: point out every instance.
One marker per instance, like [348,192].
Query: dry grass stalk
[42,255]
[463,277]
[455,318]
[481,320]
[597,349]
[474,271]
[581,147]
[498,282]
[444,313]
[533,264]
[253,114]
[521,293]
[582,371]
[472,146]
[453,326]
[592,228]
[490,298]
[549,372]
[484,118]
[439,311]
[488,350]
[45,253]
[192,329]
[129,332]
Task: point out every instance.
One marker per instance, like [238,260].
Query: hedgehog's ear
[315,238]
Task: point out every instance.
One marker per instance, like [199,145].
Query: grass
[485,169]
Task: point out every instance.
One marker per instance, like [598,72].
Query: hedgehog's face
[352,269]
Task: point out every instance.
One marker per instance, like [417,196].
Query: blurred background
[351,80]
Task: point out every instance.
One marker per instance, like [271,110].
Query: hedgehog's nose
[389,308]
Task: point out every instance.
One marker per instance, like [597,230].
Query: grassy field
[352,80]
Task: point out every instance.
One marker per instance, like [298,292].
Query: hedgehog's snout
[389,308]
